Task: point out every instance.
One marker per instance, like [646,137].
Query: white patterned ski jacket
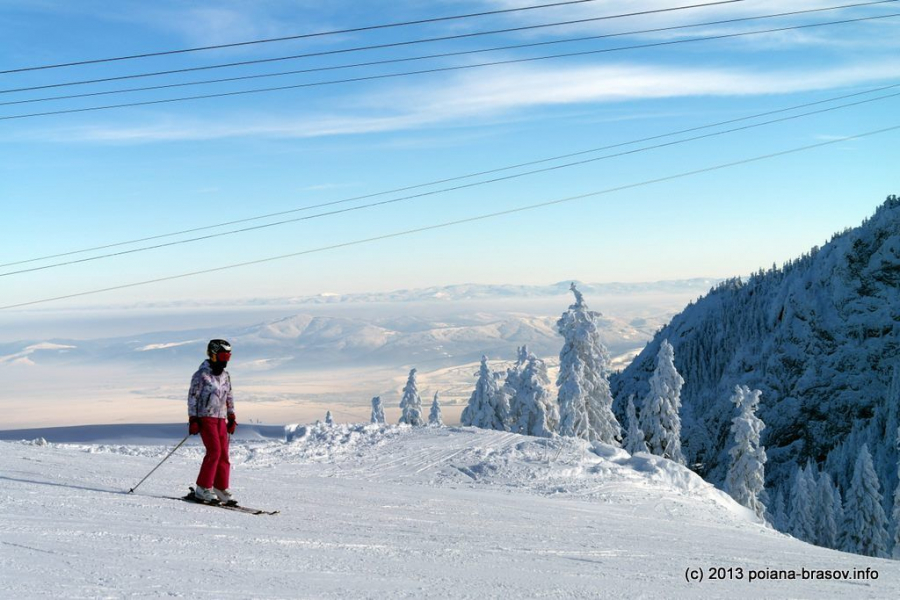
[210,395]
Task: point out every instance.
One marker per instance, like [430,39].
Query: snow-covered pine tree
[510,388]
[585,401]
[778,512]
[532,409]
[896,512]
[522,354]
[659,413]
[411,403]
[891,457]
[827,531]
[377,410]
[634,437]
[812,483]
[488,407]
[893,404]
[892,420]
[746,474]
[329,420]
[866,523]
[800,519]
[847,452]
[839,518]
[435,418]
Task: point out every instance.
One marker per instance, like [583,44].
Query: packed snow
[386,511]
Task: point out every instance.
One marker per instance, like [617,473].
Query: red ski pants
[216,468]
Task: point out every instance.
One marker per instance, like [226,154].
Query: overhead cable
[379,62]
[441,191]
[456,222]
[334,32]
[465,176]
[441,69]
[412,42]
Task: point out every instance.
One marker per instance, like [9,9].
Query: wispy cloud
[869,34]
[195,23]
[472,99]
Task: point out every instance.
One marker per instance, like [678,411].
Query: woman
[211,414]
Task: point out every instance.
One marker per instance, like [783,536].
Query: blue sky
[78,180]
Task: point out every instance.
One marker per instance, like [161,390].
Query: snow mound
[468,456]
[433,456]
[322,442]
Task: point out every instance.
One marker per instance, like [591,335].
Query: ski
[235,507]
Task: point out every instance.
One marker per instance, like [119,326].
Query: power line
[325,33]
[442,69]
[441,191]
[408,43]
[385,61]
[462,177]
[457,222]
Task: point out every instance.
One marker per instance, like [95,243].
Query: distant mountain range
[304,341]
[455,293]
[467,292]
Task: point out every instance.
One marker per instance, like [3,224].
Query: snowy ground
[372,512]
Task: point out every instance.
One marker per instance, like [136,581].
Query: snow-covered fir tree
[435,418]
[532,409]
[896,513]
[746,474]
[411,403]
[585,401]
[827,529]
[810,473]
[890,457]
[488,406]
[522,354]
[510,387]
[329,420]
[660,417]
[377,410]
[866,523]
[801,520]
[634,436]
[778,512]
[839,520]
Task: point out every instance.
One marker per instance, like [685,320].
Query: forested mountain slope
[818,336]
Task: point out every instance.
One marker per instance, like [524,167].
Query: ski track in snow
[390,512]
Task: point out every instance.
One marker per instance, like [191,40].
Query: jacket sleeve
[194,394]
[229,399]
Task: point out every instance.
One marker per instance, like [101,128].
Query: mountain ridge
[820,336]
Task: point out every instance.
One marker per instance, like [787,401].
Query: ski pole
[131,491]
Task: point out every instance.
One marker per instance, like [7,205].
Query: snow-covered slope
[392,512]
[820,337]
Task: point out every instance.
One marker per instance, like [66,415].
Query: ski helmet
[219,351]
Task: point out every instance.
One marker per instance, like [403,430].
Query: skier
[210,403]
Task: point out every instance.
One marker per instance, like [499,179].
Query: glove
[194,425]
[232,423]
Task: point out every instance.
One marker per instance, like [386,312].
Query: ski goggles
[221,356]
